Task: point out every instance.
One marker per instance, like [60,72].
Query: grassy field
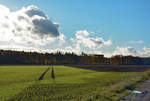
[20,83]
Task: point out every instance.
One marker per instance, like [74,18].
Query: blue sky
[125,22]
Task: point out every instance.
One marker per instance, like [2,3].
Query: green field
[20,83]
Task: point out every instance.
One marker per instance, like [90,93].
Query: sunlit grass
[20,83]
[14,78]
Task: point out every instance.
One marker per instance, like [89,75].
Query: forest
[59,58]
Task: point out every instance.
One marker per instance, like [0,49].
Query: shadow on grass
[42,76]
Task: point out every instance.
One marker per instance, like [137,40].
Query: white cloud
[62,39]
[136,42]
[84,42]
[82,32]
[27,27]
[125,51]
[144,52]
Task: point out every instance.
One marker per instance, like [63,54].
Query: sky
[109,27]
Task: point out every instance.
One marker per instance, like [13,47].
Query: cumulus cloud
[83,41]
[27,27]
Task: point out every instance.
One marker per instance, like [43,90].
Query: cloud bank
[145,52]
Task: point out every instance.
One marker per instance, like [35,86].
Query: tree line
[35,58]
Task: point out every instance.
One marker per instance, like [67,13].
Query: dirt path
[143,96]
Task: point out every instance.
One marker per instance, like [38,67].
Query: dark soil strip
[113,68]
[41,77]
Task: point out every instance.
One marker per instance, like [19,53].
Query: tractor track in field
[42,76]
